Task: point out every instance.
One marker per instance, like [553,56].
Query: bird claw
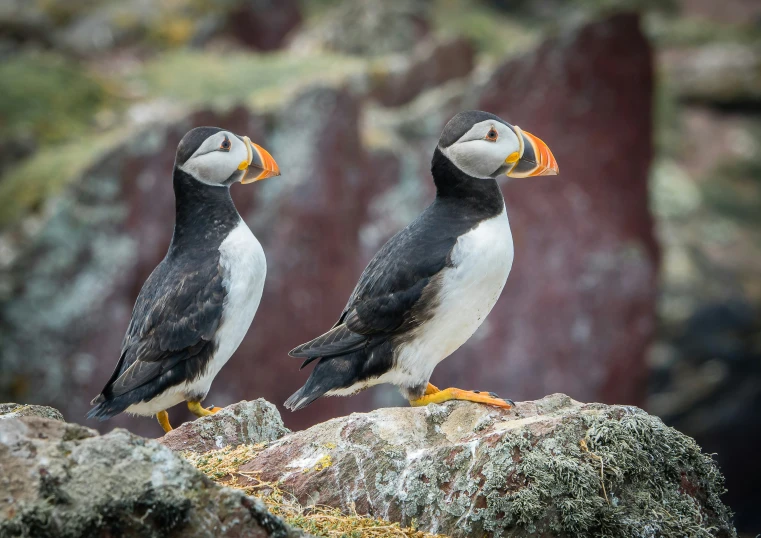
[495,395]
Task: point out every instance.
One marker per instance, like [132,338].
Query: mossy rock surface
[63,480]
[243,423]
[552,467]
[14,410]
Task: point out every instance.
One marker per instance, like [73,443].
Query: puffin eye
[225,145]
[492,135]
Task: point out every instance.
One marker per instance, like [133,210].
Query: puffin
[432,284]
[198,303]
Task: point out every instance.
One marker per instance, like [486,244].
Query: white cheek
[216,167]
[480,158]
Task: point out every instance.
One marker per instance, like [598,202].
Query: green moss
[602,484]
[205,77]
[26,186]
[47,97]
[492,32]
[62,119]
[734,189]
[317,8]
[668,140]
[668,31]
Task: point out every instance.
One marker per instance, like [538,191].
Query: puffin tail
[300,399]
[331,373]
[105,408]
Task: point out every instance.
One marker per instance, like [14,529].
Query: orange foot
[163,418]
[434,395]
[200,411]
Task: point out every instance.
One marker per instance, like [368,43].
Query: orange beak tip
[540,158]
[265,164]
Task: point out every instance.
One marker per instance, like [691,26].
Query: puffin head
[483,145]
[220,158]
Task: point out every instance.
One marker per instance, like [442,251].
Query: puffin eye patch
[225,145]
[492,135]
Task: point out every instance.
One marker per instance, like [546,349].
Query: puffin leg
[200,411]
[163,418]
[434,395]
[431,389]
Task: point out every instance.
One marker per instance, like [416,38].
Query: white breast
[481,260]
[244,268]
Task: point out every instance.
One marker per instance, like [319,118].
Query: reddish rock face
[431,64]
[264,25]
[310,234]
[575,315]
[578,309]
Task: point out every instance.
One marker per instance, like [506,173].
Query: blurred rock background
[638,271]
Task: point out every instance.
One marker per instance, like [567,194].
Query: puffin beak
[534,158]
[260,163]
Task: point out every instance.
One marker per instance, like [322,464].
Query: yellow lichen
[323,463]
[223,466]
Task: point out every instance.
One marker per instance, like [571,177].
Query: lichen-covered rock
[367,27]
[723,74]
[14,410]
[551,467]
[263,24]
[431,64]
[92,29]
[62,480]
[244,423]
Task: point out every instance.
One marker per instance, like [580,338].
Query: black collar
[205,214]
[453,185]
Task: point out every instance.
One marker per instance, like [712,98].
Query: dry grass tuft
[222,467]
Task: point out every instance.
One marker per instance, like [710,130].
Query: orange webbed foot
[434,395]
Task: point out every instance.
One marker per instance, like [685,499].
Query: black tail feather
[300,399]
[105,409]
[337,341]
[332,373]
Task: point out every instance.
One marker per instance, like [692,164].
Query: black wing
[175,318]
[391,288]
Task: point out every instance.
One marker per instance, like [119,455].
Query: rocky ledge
[551,467]
[62,480]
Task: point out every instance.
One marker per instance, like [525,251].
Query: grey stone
[245,422]
[367,27]
[64,481]
[717,73]
[551,467]
[14,410]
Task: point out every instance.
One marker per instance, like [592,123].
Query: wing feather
[176,315]
[388,292]
[337,341]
